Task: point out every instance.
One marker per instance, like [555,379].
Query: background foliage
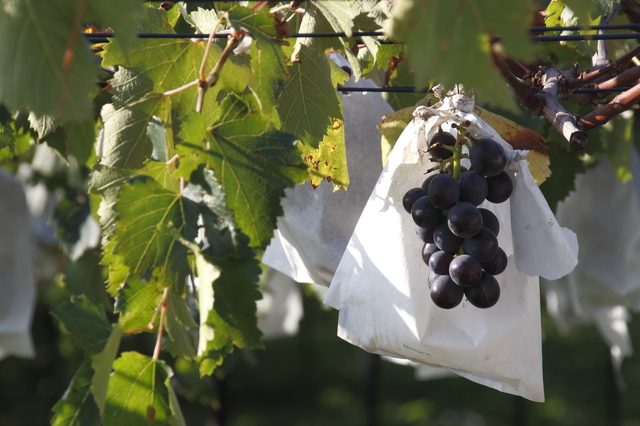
[171,174]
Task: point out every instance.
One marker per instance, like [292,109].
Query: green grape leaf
[169,64]
[138,392]
[84,276]
[227,296]
[101,364]
[123,142]
[268,68]
[340,14]
[309,102]
[385,54]
[137,244]
[252,163]
[106,181]
[177,321]
[7,141]
[36,37]
[329,161]
[137,302]
[619,141]
[77,406]
[449,42]
[75,227]
[402,76]
[86,321]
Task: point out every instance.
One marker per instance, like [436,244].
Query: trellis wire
[103,37]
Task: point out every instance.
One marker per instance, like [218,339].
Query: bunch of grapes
[460,239]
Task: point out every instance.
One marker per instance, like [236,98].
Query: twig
[181,88]
[626,78]
[602,115]
[207,48]
[233,41]
[522,90]
[563,121]
[588,77]
[163,312]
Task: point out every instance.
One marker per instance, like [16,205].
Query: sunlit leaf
[77,406]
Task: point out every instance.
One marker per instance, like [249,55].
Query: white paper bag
[605,285]
[380,286]
[17,286]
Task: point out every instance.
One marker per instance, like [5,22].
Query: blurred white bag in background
[605,285]
[17,286]
[380,286]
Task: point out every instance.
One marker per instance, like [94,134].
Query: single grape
[432,277]
[411,196]
[490,221]
[497,264]
[425,234]
[487,157]
[464,220]
[445,293]
[427,181]
[439,262]
[428,250]
[485,294]
[438,152]
[425,214]
[500,188]
[445,239]
[444,191]
[465,270]
[483,246]
[473,188]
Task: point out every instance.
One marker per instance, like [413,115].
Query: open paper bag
[380,286]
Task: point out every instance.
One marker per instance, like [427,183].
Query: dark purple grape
[428,250]
[483,246]
[485,294]
[411,196]
[439,262]
[427,181]
[425,214]
[444,191]
[487,157]
[497,264]
[500,188]
[473,188]
[490,221]
[464,220]
[445,239]
[438,152]
[432,277]
[425,234]
[445,293]
[465,270]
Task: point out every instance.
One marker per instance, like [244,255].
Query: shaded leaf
[137,244]
[448,41]
[252,163]
[77,406]
[75,227]
[101,364]
[123,142]
[87,322]
[177,321]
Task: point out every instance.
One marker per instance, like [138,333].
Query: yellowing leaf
[539,166]
[391,127]
[330,159]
